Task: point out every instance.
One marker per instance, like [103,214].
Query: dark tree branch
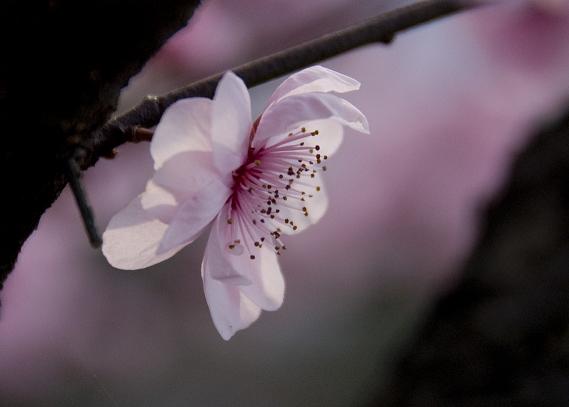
[63,65]
[500,337]
[382,29]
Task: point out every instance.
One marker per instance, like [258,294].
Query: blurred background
[449,104]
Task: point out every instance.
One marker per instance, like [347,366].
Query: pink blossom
[256,181]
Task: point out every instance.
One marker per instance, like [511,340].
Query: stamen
[274,178]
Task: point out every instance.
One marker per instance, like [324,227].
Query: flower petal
[185,126]
[231,123]
[314,79]
[215,257]
[330,135]
[290,114]
[230,309]
[186,173]
[260,279]
[132,238]
[160,202]
[267,286]
[195,213]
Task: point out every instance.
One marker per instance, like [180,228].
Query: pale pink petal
[195,213]
[267,286]
[160,202]
[236,287]
[231,123]
[186,173]
[290,114]
[330,135]
[230,309]
[314,79]
[185,126]
[216,263]
[133,236]
[260,279]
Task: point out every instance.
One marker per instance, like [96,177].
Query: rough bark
[500,337]
[63,65]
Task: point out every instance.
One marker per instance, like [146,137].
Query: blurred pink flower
[255,180]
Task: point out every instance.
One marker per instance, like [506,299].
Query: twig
[73,174]
[140,134]
[381,28]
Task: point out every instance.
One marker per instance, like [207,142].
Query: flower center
[272,191]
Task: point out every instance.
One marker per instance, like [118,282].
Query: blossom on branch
[254,181]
